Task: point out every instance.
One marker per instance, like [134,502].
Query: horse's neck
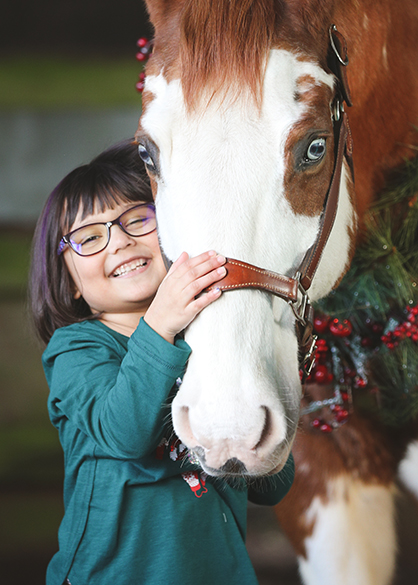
[384,87]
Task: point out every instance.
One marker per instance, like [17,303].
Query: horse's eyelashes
[309,152]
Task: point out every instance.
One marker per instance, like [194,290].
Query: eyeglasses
[94,237]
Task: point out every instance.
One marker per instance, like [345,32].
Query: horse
[247,139]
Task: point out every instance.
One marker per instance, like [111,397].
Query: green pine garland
[379,298]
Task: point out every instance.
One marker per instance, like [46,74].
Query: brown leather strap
[338,61]
[243,275]
[312,257]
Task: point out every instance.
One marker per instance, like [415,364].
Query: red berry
[140,57]
[341,416]
[341,328]
[142,42]
[321,374]
[316,423]
[325,428]
[321,323]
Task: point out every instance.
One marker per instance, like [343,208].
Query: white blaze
[221,187]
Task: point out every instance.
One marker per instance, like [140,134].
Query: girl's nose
[119,239]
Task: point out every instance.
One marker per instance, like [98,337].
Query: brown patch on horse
[224,46]
[306,188]
[361,450]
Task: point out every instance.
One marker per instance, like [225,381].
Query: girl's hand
[175,305]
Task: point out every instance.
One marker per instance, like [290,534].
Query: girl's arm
[119,400]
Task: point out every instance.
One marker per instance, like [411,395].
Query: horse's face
[249,183]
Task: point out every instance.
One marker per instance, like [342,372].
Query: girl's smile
[129,268]
[119,282]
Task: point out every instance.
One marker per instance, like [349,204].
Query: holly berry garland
[368,328]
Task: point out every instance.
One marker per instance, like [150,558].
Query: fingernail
[221,259]
[221,270]
[216,291]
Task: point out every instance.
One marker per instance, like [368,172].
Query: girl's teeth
[124,269]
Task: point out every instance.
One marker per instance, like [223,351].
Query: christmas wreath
[368,328]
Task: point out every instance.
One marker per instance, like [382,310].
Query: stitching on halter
[259,270]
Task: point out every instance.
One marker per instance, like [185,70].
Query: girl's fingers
[202,265]
[197,265]
[180,260]
[204,300]
[186,273]
[198,285]
[179,299]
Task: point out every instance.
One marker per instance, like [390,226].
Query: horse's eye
[316,150]
[146,157]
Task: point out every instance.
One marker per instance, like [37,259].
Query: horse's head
[237,135]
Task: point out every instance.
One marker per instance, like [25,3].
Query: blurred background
[67,91]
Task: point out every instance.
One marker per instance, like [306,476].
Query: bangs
[99,186]
[87,202]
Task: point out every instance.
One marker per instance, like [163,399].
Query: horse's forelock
[224,44]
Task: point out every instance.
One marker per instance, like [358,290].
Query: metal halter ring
[334,48]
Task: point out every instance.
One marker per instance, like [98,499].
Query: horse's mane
[224,45]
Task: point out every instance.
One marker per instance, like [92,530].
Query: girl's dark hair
[116,175]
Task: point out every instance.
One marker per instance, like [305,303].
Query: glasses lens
[89,239]
[139,221]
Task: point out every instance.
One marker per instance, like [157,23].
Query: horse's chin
[236,469]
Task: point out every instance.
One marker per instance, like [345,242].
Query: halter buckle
[308,360]
[302,301]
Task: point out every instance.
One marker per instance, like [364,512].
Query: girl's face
[122,279]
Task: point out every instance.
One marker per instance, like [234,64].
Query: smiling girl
[137,510]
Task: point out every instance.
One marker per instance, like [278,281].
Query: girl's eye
[146,157]
[316,150]
[136,221]
[89,239]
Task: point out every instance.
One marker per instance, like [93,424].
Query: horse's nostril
[233,466]
[267,429]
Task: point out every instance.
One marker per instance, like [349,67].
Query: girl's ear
[76,292]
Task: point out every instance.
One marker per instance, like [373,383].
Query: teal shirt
[137,511]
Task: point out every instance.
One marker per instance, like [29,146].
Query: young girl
[137,510]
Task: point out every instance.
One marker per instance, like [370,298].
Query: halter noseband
[294,289]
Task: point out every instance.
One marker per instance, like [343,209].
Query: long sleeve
[118,400]
[271,490]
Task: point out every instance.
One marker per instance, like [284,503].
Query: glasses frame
[66,240]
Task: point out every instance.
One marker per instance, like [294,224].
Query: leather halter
[294,289]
